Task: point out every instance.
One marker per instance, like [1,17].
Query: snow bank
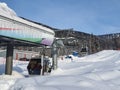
[101,56]
[14,75]
[6,81]
[100,71]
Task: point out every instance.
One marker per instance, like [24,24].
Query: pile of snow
[102,56]
[100,71]
[6,11]
[19,71]
[7,80]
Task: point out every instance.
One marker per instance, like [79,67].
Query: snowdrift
[100,71]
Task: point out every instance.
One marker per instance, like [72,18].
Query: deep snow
[100,71]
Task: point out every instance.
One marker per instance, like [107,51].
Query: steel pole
[54,57]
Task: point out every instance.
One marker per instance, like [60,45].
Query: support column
[54,57]
[9,59]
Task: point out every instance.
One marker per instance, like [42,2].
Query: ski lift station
[16,31]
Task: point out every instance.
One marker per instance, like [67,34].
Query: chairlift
[84,50]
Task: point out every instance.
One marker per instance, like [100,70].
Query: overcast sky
[90,16]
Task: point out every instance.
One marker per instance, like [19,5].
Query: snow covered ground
[100,71]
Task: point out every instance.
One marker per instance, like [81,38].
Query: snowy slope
[100,71]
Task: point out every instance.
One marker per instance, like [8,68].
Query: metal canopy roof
[25,30]
[5,40]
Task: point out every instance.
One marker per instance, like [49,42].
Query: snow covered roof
[6,11]
[9,13]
